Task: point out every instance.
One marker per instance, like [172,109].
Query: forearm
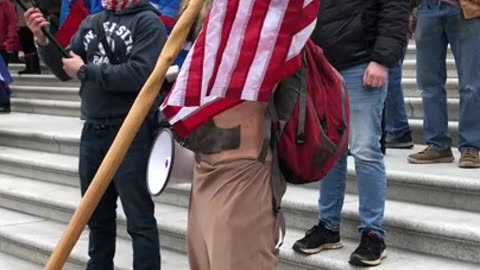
[52,57]
[126,77]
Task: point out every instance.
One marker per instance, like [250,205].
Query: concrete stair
[57,202]
[425,208]
[9,262]
[33,238]
[432,213]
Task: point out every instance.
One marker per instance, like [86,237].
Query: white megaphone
[169,163]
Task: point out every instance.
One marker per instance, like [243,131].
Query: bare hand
[411,26]
[375,75]
[72,65]
[35,22]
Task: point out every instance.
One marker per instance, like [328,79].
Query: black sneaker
[404,142]
[370,252]
[317,239]
[5,108]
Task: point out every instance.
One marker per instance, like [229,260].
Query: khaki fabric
[471,8]
[231,223]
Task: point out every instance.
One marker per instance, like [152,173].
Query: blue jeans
[130,185]
[366,107]
[440,24]
[4,89]
[396,119]
[4,95]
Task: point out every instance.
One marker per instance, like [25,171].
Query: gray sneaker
[430,155]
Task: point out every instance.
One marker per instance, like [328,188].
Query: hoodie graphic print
[119,38]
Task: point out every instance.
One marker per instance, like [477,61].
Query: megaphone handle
[45,31]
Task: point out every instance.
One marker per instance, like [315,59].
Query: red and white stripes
[117,5]
[244,49]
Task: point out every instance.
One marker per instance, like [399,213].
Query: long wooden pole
[124,138]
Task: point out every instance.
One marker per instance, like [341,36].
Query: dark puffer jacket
[352,32]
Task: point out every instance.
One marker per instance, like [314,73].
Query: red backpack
[310,114]
[311,117]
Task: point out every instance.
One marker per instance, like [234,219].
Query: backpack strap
[272,136]
[303,102]
[102,37]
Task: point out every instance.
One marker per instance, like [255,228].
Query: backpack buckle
[300,138]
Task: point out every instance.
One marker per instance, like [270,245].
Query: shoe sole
[320,248]
[407,145]
[468,165]
[431,161]
[355,260]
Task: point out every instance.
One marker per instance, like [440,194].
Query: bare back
[250,117]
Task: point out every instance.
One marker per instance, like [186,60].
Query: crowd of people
[365,40]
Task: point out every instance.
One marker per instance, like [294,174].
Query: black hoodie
[136,37]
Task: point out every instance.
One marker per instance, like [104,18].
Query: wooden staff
[124,138]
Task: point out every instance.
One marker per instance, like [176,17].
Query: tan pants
[231,224]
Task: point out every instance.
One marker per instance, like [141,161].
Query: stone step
[48,92]
[36,132]
[412,51]
[409,86]
[57,202]
[409,71]
[49,167]
[410,65]
[43,80]
[62,134]
[432,230]
[55,134]
[410,89]
[9,262]
[14,68]
[414,108]
[416,126]
[34,239]
[414,105]
[43,106]
[443,185]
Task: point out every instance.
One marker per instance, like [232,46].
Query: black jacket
[136,36]
[352,32]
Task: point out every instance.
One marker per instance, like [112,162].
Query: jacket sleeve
[12,21]
[130,76]
[53,58]
[393,16]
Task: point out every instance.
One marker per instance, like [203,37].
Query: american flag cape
[245,48]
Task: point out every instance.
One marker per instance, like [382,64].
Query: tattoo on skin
[210,139]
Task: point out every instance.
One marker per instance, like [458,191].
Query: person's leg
[197,221]
[464,39]
[102,224]
[4,98]
[366,106]
[431,42]
[131,185]
[4,89]
[397,130]
[32,61]
[4,56]
[237,238]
